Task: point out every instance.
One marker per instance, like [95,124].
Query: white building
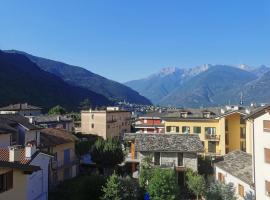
[261,151]
[236,168]
[23,109]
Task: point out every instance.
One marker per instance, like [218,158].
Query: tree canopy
[107,153]
[195,183]
[221,191]
[57,110]
[163,185]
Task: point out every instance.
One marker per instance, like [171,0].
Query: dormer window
[206,114]
[183,114]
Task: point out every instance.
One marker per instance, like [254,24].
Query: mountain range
[21,80]
[206,85]
[80,77]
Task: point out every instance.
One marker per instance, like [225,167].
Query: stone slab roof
[165,142]
[19,106]
[51,119]
[238,164]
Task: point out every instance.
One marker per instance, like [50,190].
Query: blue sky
[126,40]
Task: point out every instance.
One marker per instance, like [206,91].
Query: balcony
[212,137]
[63,164]
[212,152]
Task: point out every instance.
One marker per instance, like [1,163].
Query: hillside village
[113,153]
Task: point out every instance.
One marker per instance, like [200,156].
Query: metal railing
[212,137]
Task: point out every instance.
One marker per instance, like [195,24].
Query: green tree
[195,183]
[130,189]
[163,185]
[146,170]
[221,191]
[107,153]
[112,188]
[57,110]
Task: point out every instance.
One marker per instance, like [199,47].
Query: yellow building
[61,144]
[220,130]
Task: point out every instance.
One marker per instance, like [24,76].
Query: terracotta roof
[166,142]
[238,164]
[53,136]
[20,106]
[23,163]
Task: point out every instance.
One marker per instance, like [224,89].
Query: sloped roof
[166,142]
[53,136]
[238,164]
[23,163]
[257,112]
[12,119]
[51,118]
[20,106]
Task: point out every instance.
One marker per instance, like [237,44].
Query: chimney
[30,149]
[15,153]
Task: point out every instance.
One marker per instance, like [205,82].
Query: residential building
[23,109]
[221,130]
[149,124]
[23,173]
[260,126]
[19,129]
[53,121]
[175,151]
[61,144]
[236,168]
[111,122]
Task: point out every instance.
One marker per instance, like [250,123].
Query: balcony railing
[212,137]
[212,152]
[63,164]
[111,120]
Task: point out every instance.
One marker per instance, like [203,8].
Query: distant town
[135,152]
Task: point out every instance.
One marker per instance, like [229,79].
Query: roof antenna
[241,99]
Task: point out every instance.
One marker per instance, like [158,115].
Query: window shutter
[9,180]
[267,155]
[267,186]
[266,126]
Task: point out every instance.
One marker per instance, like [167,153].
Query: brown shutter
[267,155]
[266,125]
[267,186]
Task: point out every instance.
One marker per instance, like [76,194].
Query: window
[242,132]
[6,181]
[174,129]
[226,125]
[266,126]
[180,159]
[227,138]
[210,130]
[227,150]
[243,145]
[185,129]
[92,116]
[197,129]
[157,158]
[267,155]
[168,129]
[267,188]
[241,190]
[92,125]
[221,177]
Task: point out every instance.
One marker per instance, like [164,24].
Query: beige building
[61,144]
[111,122]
